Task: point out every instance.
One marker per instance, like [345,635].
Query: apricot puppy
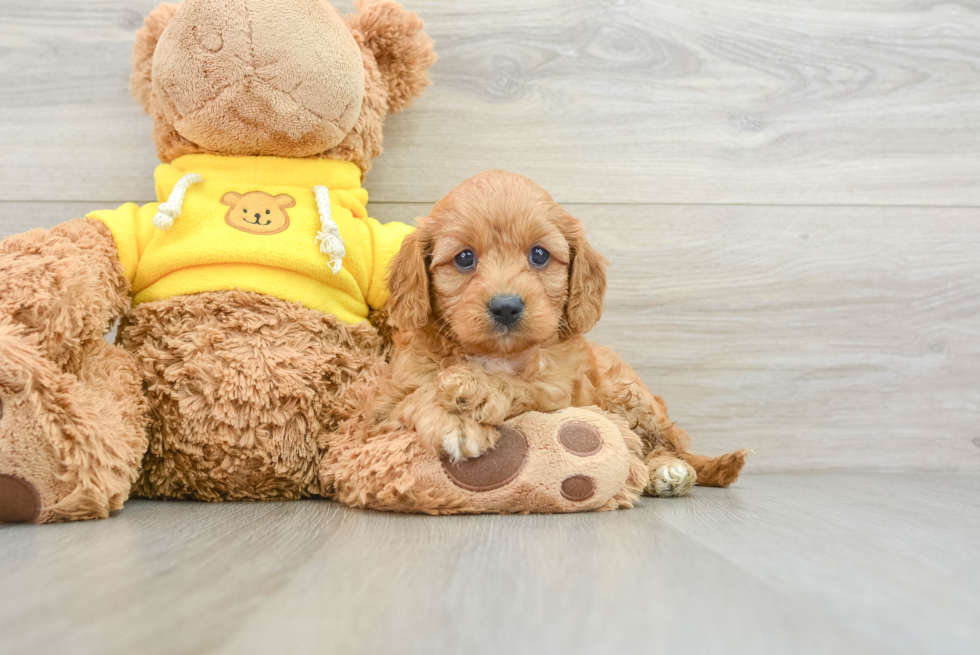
[490,298]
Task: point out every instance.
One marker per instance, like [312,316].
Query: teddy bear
[244,293]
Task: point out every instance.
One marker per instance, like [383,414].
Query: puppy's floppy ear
[586,280]
[403,51]
[409,305]
[140,83]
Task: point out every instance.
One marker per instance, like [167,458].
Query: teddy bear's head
[289,78]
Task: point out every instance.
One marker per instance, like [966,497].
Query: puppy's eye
[465,260]
[539,256]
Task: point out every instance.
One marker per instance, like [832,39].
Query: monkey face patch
[257,212]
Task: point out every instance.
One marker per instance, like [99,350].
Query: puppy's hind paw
[671,478]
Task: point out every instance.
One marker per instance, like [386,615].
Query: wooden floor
[783,563]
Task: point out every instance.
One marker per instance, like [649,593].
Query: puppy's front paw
[470,440]
[477,397]
[671,478]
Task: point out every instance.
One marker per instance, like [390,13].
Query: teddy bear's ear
[140,85]
[402,49]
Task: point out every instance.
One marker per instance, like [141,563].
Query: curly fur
[455,374]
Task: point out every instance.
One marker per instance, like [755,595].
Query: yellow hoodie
[272,225]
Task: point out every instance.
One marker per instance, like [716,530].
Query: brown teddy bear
[244,292]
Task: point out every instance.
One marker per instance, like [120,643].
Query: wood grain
[820,337]
[687,101]
[804,563]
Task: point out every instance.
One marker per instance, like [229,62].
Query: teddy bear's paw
[26,456]
[65,453]
[671,478]
[26,461]
[19,500]
[567,461]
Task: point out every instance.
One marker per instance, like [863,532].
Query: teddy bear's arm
[64,286]
[132,228]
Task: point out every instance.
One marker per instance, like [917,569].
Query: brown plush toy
[244,292]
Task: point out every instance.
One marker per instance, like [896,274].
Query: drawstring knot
[168,211]
[329,239]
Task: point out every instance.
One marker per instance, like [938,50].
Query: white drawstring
[168,211]
[329,237]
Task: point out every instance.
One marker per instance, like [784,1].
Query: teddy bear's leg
[70,444]
[573,460]
[71,410]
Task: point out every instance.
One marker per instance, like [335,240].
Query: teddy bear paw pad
[578,488]
[495,468]
[19,500]
[580,439]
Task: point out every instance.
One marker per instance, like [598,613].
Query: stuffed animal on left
[244,292]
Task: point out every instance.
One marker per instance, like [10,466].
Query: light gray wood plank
[693,101]
[822,338]
[806,563]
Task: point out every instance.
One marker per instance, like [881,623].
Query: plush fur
[244,389]
[76,438]
[64,286]
[456,374]
[228,395]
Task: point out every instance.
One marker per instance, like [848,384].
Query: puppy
[489,300]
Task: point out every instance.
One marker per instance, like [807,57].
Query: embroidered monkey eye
[245,211]
[266,211]
[539,256]
[465,260]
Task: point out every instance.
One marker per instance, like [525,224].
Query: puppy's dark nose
[506,310]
